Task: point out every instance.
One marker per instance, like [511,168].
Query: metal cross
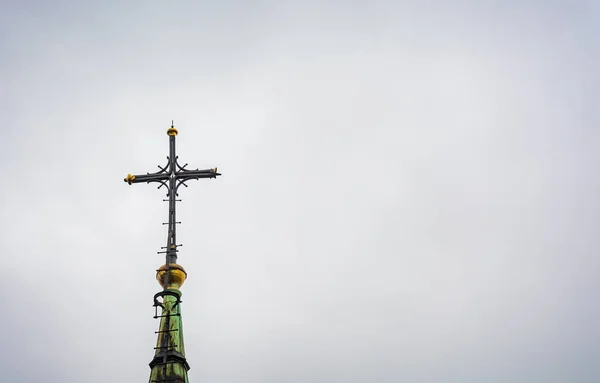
[172,176]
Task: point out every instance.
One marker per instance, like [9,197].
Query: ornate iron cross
[172,176]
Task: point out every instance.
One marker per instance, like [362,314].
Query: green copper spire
[169,363]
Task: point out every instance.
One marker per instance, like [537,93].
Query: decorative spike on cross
[172,176]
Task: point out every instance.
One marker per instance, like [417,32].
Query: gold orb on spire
[176,277]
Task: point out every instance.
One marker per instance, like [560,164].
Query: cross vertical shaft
[171,256]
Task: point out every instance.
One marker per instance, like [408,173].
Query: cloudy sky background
[409,190]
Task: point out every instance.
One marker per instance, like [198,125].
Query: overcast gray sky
[408,190]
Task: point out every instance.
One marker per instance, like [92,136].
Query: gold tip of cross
[172,131]
[129,179]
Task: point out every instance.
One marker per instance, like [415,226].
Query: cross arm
[132,179]
[195,174]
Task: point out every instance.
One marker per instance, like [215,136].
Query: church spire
[169,363]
